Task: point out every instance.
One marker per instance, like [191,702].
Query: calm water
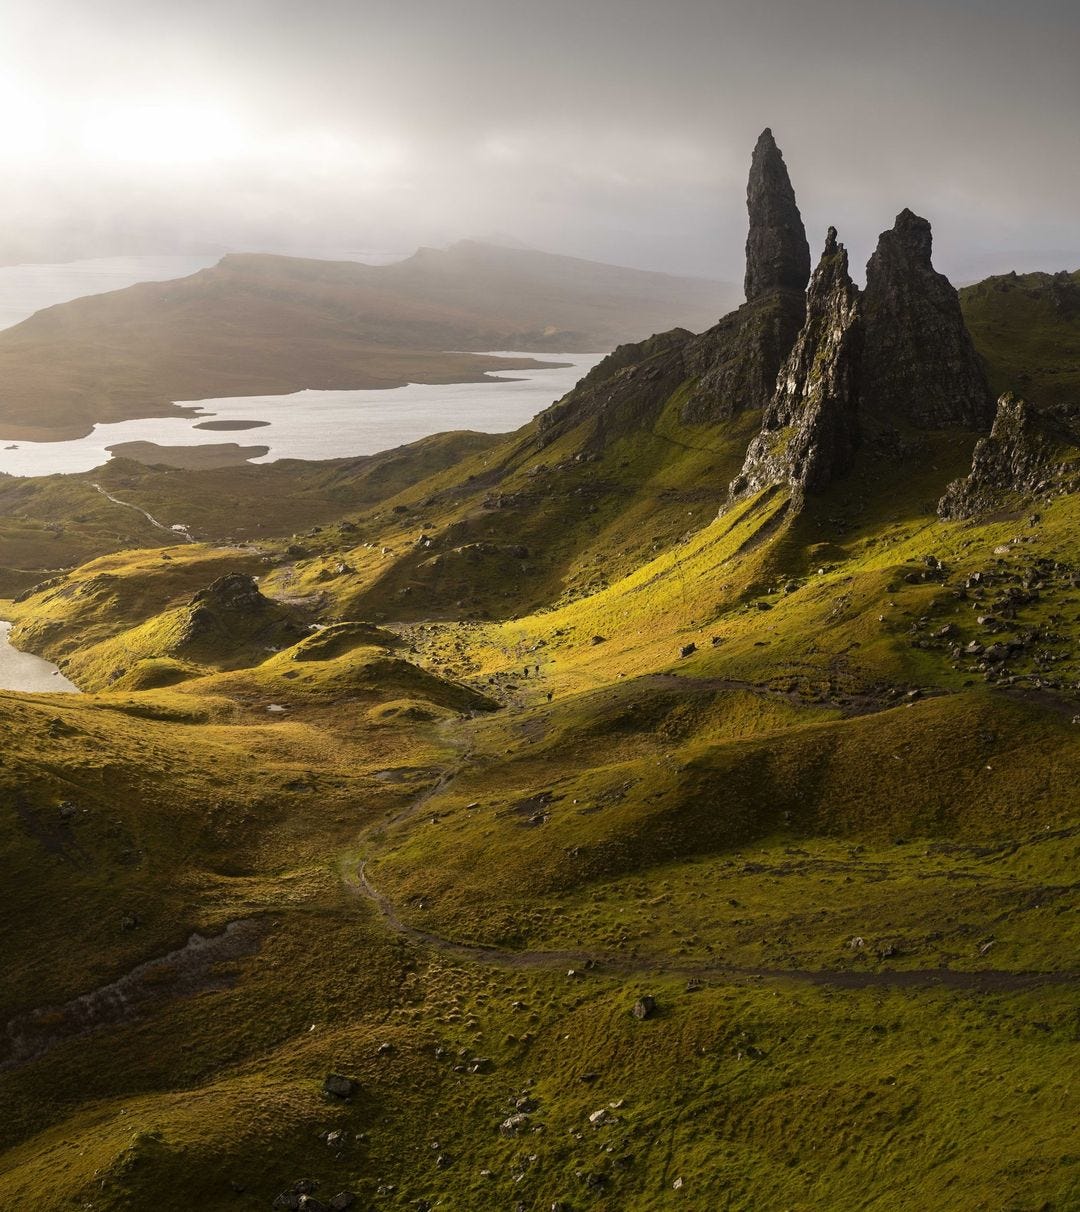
[25,289]
[324,424]
[304,425]
[23,671]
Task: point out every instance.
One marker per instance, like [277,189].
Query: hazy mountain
[260,324]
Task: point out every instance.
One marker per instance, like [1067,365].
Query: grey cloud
[607,128]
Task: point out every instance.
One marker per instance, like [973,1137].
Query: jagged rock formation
[920,365]
[1027,455]
[810,429]
[737,362]
[777,253]
[902,355]
[734,364]
[900,352]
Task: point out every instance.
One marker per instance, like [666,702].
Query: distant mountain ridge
[265,324]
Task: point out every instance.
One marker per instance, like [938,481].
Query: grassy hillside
[256,325]
[1027,326]
[55,523]
[623,848]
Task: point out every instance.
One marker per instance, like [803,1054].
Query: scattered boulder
[645,1007]
[340,1086]
[294,1197]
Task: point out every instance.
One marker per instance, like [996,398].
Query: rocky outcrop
[630,354]
[233,591]
[1028,455]
[810,429]
[736,363]
[232,613]
[732,367]
[777,254]
[624,393]
[920,365]
[231,598]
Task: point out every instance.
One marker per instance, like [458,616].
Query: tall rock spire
[736,363]
[777,254]
[920,366]
[810,430]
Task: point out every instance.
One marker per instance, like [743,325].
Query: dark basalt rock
[340,1086]
[920,365]
[1028,454]
[777,254]
[810,430]
[736,363]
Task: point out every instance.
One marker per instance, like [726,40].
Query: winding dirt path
[175,534]
[985,981]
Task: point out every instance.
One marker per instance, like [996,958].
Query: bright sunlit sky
[610,129]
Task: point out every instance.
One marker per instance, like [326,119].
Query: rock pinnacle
[777,254]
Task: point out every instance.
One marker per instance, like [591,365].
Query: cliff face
[920,365]
[736,363]
[810,429]
[1027,456]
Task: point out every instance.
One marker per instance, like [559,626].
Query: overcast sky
[613,129]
